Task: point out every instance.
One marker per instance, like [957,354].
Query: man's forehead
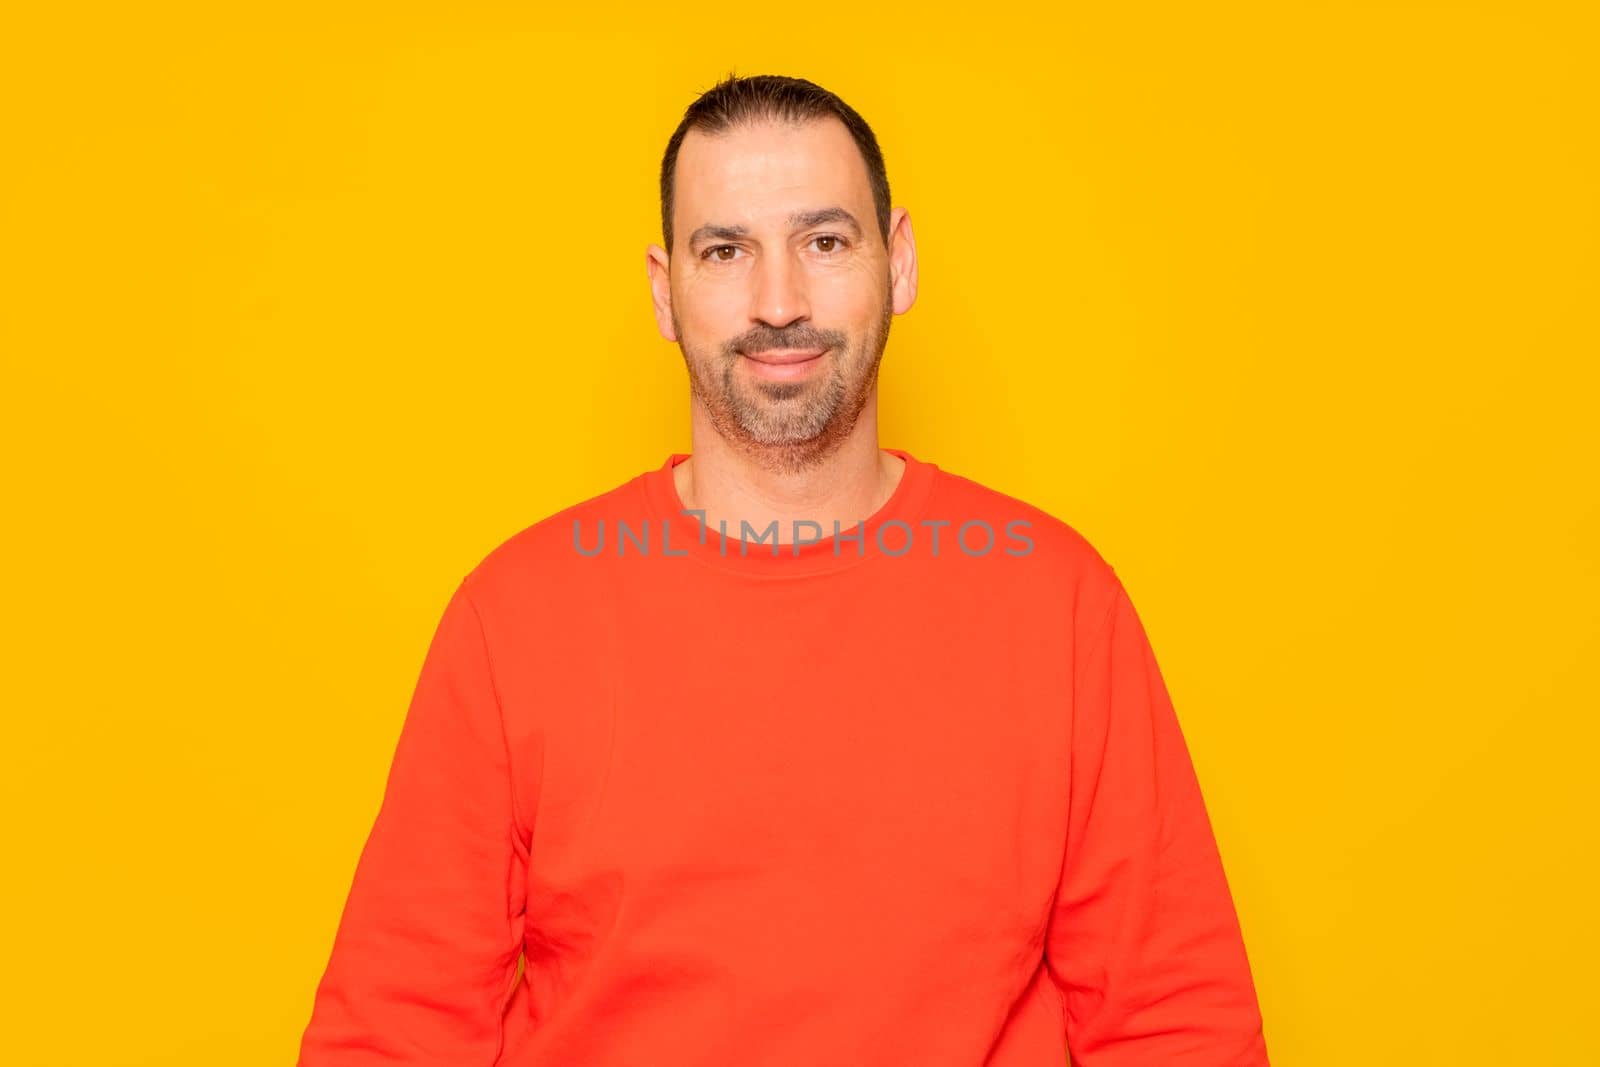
[773,167]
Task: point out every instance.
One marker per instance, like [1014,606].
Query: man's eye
[715,253]
[833,243]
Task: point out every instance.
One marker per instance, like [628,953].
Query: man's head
[779,243]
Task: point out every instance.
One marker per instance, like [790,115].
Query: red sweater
[892,799]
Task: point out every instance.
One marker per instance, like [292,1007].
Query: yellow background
[1290,308]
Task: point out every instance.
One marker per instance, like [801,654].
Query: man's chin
[758,394]
[767,426]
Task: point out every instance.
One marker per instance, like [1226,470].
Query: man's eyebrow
[798,220]
[720,233]
[823,216]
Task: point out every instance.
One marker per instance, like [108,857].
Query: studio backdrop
[1290,309]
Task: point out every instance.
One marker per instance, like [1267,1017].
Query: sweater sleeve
[1143,940]
[427,945]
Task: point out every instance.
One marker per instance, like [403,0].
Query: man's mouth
[785,356]
[785,364]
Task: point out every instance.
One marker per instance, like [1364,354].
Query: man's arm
[431,932]
[1143,940]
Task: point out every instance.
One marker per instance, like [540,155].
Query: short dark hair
[772,97]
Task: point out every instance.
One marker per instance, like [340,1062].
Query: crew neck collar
[905,504]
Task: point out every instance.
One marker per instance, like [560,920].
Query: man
[794,750]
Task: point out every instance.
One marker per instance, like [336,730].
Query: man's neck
[844,487]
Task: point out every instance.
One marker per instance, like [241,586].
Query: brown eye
[831,241]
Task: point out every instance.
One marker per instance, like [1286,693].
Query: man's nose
[779,296]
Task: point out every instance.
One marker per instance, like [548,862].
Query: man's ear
[657,264]
[902,261]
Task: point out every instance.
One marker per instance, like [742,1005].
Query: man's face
[780,283]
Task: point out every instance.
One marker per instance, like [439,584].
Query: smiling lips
[786,355]
[785,363]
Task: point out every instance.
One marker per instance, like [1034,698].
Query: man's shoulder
[543,549]
[959,499]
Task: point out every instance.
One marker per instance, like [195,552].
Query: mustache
[765,339]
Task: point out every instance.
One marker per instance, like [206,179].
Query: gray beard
[787,427]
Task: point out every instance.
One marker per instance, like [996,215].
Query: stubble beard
[788,427]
